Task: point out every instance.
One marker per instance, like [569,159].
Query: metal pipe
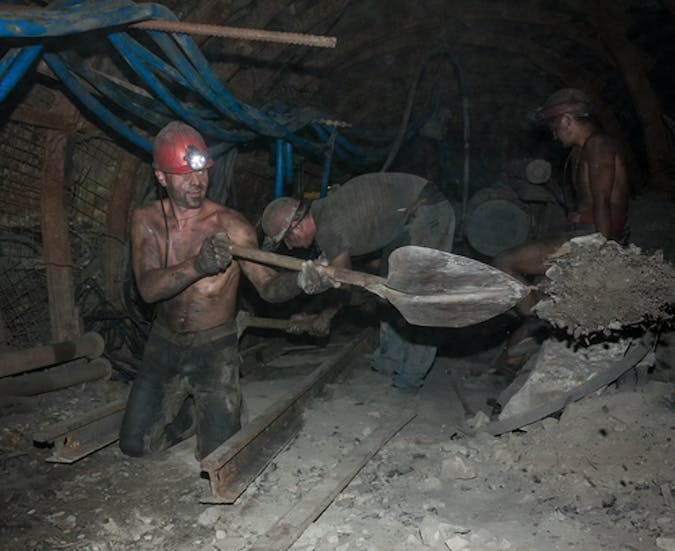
[288,163]
[90,345]
[234,32]
[279,174]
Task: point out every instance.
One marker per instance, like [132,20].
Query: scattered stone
[667,544]
[456,543]
[479,420]
[456,468]
[433,530]
[432,483]
[210,516]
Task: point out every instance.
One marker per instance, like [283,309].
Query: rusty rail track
[237,462]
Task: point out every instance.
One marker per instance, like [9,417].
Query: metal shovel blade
[435,288]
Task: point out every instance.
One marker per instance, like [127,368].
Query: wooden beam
[117,220]
[63,312]
[89,345]
[57,377]
[42,119]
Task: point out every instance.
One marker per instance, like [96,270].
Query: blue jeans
[405,351]
[407,361]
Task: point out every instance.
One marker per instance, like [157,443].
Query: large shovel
[429,287]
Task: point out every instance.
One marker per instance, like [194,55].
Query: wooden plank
[53,378]
[291,526]
[237,462]
[91,345]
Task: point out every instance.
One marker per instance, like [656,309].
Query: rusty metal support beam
[79,437]
[89,345]
[237,462]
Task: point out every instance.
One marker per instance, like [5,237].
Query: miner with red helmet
[189,380]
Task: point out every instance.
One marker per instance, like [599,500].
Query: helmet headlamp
[196,159]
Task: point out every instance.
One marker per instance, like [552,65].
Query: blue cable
[18,68]
[73,84]
[8,60]
[245,114]
[288,162]
[63,22]
[279,174]
[117,39]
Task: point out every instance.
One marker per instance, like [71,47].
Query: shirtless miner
[189,379]
[599,179]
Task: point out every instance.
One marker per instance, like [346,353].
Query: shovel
[428,287]
[244,319]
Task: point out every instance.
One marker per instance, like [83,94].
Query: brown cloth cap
[566,101]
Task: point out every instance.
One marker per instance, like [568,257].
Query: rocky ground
[598,286]
[600,476]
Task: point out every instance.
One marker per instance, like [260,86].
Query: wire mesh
[91,164]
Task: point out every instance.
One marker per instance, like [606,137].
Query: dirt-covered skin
[595,285]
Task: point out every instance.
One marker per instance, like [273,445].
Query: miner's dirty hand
[214,256]
[316,325]
[313,279]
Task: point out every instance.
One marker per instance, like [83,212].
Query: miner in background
[370,213]
[599,176]
[189,379]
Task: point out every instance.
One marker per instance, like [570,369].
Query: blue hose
[225,118]
[245,114]
[8,60]
[118,40]
[279,174]
[18,68]
[60,70]
[288,162]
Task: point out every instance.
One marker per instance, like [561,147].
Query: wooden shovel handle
[265,257]
[291,263]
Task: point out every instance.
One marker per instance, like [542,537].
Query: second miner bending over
[372,212]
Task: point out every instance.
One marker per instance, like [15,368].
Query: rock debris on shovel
[597,285]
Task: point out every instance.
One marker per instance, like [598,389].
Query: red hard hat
[174,144]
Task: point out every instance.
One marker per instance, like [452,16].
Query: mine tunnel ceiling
[512,55]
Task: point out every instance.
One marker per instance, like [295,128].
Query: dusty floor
[600,477]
